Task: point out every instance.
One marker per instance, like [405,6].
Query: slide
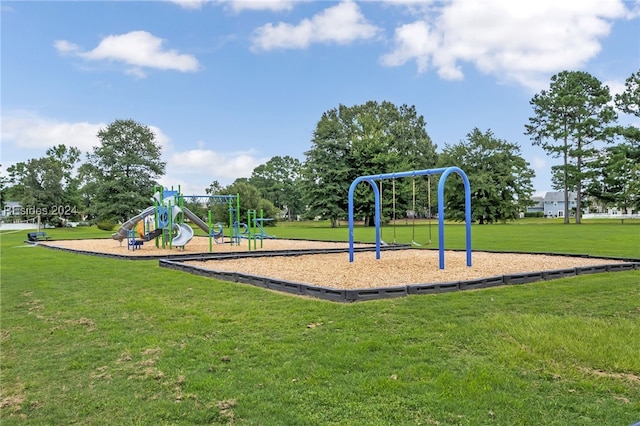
[183,236]
[199,222]
[153,234]
[128,225]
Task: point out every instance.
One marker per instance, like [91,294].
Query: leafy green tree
[197,207]
[4,181]
[568,120]
[87,189]
[628,101]
[278,180]
[124,169]
[250,199]
[561,176]
[47,186]
[617,182]
[326,171]
[361,140]
[499,177]
[215,188]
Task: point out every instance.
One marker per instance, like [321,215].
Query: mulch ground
[398,267]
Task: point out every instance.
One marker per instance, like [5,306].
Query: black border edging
[229,255]
[98,254]
[433,288]
[364,294]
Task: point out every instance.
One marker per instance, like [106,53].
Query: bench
[37,236]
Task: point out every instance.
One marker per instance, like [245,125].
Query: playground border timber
[401,290]
[220,256]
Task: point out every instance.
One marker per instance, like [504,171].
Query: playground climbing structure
[164,222]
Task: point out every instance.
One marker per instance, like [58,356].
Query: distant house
[538,207]
[554,203]
[601,211]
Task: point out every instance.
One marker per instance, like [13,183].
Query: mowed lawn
[90,340]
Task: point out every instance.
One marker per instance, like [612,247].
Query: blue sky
[226,85]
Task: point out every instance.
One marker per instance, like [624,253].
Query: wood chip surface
[401,267]
[398,267]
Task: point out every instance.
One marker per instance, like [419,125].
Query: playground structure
[444,173]
[164,222]
[254,230]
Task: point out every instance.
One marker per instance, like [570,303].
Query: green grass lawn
[90,340]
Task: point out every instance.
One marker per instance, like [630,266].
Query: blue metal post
[376,196]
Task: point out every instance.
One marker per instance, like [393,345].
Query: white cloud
[273,5]
[162,139]
[190,4]
[139,49]
[26,130]
[30,131]
[239,5]
[136,72]
[539,163]
[64,46]
[522,42]
[24,133]
[341,24]
[413,41]
[615,87]
[634,9]
[194,170]
[211,165]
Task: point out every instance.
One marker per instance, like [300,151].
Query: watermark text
[61,210]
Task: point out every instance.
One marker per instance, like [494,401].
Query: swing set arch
[444,172]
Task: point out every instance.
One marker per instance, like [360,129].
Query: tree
[47,186]
[278,180]
[250,199]
[628,102]
[124,169]
[3,190]
[361,140]
[214,188]
[568,120]
[500,179]
[617,183]
[326,171]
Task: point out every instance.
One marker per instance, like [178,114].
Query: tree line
[575,119]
